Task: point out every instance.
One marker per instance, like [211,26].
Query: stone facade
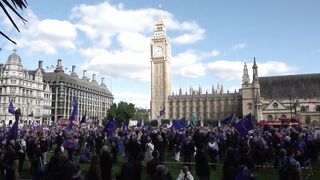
[26,89]
[266,98]
[94,99]
[215,105]
[160,71]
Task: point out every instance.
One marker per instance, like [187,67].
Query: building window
[250,106]
[307,108]
[275,105]
[318,108]
[303,109]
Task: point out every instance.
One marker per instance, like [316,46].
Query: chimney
[93,77]
[84,74]
[59,67]
[40,64]
[59,63]
[73,69]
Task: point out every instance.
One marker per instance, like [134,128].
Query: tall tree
[14,6]
[122,112]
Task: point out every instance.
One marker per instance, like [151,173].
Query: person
[44,148]
[152,165]
[244,174]
[230,165]
[132,169]
[185,174]
[292,168]
[85,155]
[59,167]
[188,150]
[177,148]
[94,172]
[105,163]
[114,149]
[202,165]
[11,162]
[21,151]
[149,147]
[213,150]
[162,173]
[160,145]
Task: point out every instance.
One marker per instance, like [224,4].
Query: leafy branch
[14,5]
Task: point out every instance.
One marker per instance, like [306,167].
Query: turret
[245,76]
[255,70]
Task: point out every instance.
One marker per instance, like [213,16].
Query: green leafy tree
[112,112]
[125,111]
[141,114]
[122,112]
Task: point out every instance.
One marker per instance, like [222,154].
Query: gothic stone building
[26,89]
[266,98]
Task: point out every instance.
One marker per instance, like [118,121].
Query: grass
[261,174]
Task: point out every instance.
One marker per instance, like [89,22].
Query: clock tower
[160,71]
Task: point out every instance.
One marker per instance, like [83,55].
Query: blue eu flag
[181,123]
[11,108]
[244,125]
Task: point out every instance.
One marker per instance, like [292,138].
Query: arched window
[250,106]
[275,105]
[303,109]
[270,117]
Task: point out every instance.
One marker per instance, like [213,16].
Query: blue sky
[210,40]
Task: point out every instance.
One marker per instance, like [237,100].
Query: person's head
[244,171]
[155,154]
[161,170]
[104,149]
[290,153]
[185,169]
[231,155]
[282,153]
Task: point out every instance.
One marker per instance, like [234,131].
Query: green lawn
[261,174]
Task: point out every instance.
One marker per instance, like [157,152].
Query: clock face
[157,52]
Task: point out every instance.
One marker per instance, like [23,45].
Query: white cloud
[188,63]
[121,38]
[128,40]
[193,71]
[46,35]
[238,46]
[139,99]
[185,58]
[195,34]
[226,70]
[123,64]
[274,68]
[215,53]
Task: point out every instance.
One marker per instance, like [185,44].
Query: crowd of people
[198,148]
